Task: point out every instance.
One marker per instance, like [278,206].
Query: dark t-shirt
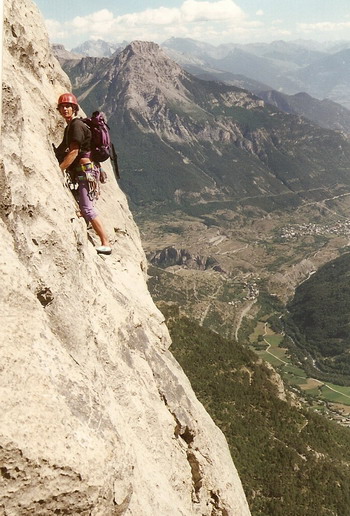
[78,132]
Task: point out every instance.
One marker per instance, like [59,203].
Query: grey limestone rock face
[97,418]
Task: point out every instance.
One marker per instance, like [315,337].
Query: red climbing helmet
[67,98]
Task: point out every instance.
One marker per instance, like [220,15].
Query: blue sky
[215,21]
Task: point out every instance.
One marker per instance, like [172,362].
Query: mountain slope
[186,141]
[325,113]
[321,70]
[320,322]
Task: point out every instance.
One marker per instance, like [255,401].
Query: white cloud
[213,21]
[95,22]
[222,10]
[150,17]
[56,30]
[194,18]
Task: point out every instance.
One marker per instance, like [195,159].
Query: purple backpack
[100,138]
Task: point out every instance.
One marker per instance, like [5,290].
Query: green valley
[325,397]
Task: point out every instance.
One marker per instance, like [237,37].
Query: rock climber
[77,162]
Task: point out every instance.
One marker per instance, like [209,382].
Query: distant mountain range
[325,113]
[320,70]
[98,48]
[91,48]
[290,67]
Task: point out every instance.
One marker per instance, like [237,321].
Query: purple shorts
[86,205]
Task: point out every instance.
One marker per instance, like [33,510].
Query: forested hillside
[319,320]
[292,462]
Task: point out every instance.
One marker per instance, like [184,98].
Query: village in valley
[339,228]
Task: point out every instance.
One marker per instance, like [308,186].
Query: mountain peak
[141,47]
[152,55]
[147,72]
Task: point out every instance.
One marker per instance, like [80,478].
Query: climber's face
[67,111]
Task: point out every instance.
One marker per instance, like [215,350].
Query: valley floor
[324,397]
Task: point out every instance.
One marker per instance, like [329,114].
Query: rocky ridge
[171,256]
[97,416]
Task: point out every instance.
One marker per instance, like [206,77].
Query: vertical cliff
[97,418]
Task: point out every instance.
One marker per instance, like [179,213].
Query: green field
[341,396]
[292,374]
[270,358]
[275,355]
[295,371]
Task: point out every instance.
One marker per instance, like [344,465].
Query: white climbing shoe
[103,249]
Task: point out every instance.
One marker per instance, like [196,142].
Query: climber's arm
[71,156]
